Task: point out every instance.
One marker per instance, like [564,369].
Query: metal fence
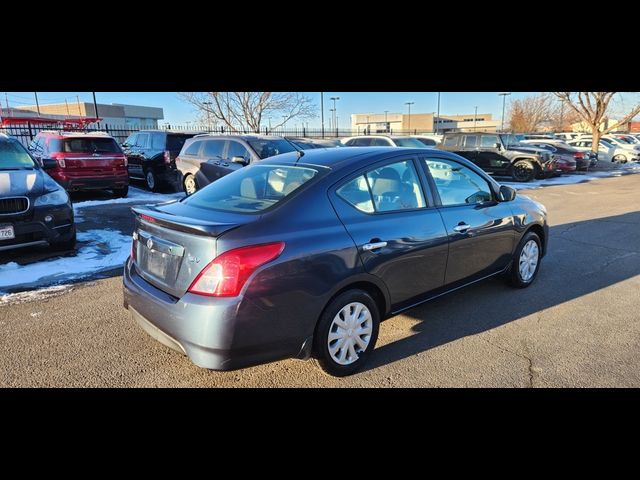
[26,133]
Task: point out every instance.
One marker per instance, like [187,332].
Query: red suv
[86,161]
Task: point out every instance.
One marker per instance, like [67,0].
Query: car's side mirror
[49,163]
[498,146]
[507,194]
[240,160]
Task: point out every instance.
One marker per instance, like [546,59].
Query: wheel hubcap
[350,333]
[150,180]
[528,260]
[190,185]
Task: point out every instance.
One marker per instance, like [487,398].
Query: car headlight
[57,197]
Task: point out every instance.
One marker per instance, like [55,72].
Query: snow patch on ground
[105,249]
[135,195]
[34,295]
[575,178]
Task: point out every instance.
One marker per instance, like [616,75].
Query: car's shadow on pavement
[582,258]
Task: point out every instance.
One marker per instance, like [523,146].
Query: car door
[489,157]
[235,149]
[129,149]
[481,230]
[213,165]
[399,234]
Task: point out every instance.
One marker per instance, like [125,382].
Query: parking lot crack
[530,369]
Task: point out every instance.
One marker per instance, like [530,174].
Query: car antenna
[300,155]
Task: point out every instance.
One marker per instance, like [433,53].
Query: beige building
[116,114]
[422,123]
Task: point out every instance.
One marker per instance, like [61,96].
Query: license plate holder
[7,232]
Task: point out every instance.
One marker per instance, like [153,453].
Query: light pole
[208,114]
[331,120]
[322,111]
[38,105]
[335,114]
[504,101]
[386,125]
[438,114]
[408,104]
[269,124]
[95,105]
[475,116]
[366,129]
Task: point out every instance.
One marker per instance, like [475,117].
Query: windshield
[408,142]
[509,140]
[269,148]
[252,189]
[606,144]
[90,145]
[14,156]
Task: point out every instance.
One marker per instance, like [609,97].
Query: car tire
[189,184]
[121,192]
[619,159]
[151,180]
[338,347]
[67,244]
[523,171]
[526,261]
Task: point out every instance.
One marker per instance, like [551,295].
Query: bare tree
[529,114]
[562,118]
[245,111]
[592,108]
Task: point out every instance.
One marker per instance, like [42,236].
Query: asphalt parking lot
[578,325]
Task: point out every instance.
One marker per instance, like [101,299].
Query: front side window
[489,141]
[457,184]
[158,141]
[143,140]
[451,141]
[470,141]
[252,189]
[269,148]
[390,188]
[236,149]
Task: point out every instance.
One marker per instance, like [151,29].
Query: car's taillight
[579,155]
[167,157]
[226,275]
[126,161]
[147,218]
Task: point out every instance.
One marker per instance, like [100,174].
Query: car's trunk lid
[174,242]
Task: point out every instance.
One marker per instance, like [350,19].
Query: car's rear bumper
[212,332]
[36,231]
[93,183]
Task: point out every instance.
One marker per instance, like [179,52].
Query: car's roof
[336,158]
[175,132]
[254,136]
[63,134]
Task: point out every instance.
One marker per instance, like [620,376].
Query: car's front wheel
[523,171]
[189,184]
[620,159]
[526,261]
[347,333]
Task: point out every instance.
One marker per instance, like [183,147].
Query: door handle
[224,164]
[217,162]
[373,246]
[461,227]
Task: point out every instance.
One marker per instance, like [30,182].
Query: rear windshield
[252,189]
[90,145]
[175,142]
[269,148]
[409,142]
[13,155]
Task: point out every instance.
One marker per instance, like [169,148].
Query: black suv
[501,154]
[206,158]
[152,156]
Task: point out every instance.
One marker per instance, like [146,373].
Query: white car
[566,136]
[431,141]
[383,141]
[622,143]
[607,152]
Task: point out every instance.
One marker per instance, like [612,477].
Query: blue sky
[178,112]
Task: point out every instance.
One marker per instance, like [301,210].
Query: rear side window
[269,148]
[158,141]
[451,141]
[213,148]
[90,145]
[252,189]
[194,148]
[379,142]
[394,187]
